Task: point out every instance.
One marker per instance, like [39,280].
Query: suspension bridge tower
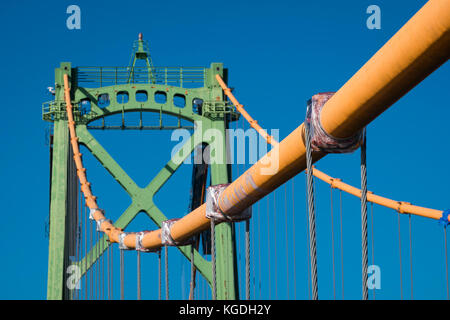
[99,92]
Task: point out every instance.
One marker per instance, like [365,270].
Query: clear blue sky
[279,53]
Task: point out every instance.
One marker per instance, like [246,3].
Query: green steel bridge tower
[99,92]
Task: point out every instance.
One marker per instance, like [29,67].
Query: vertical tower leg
[224,237]
[58,208]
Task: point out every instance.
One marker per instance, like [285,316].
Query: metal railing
[186,77]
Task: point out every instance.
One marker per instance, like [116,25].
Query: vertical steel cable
[293,240]
[91,270]
[253,257]
[332,242]
[166,272]
[308,249]
[342,242]
[213,259]
[159,275]
[286,239]
[311,216]
[410,255]
[372,236]
[122,280]
[108,268]
[192,287]
[400,256]
[112,274]
[275,244]
[99,267]
[446,259]
[259,250]
[85,255]
[268,247]
[247,259]
[364,236]
[138,274]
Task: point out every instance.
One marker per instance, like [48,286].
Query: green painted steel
[58,200]
[152,81]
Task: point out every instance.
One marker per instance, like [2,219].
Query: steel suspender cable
[159,275]
[253,257]
[400,256]
[112,273]
[332,243]
[286,239]
[311,216]
[342,242]
[410,255]
[247,259]
[293,240]
[308,256]
[192,286]
[268,247]
[275,243]
[372,237]
[138,274]
[85,255]
[259,250]
[122,280]
[364,237]
[91,260]
[166,271]
[108,272]
[446,259]
[213,259]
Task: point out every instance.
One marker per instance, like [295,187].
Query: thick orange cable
[400,206]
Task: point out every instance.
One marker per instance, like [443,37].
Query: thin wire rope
[446,260]
[287,240]
[342,241]
[308,249]
[294,240]
[166,272]
[122,271]
[138,262]
[372,240]
[275,244]
[108,274]
[410,256]
[213,260]
[253,257]
[400,257]
[312,217]
[268,247]
[112,274]
[85,254]
[332,243]
[259,249]
[247,259]
[159,275]
[364,236]
[91,262]
[191,284]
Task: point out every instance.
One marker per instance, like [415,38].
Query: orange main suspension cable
[400,206]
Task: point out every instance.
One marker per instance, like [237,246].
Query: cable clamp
[166,237]
[213,211]
[99,223]
[91,213]
[320,139]
[444,219]
[139,247]
[122,236]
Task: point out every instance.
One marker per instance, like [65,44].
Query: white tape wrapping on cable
[213,211]
[166,237]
